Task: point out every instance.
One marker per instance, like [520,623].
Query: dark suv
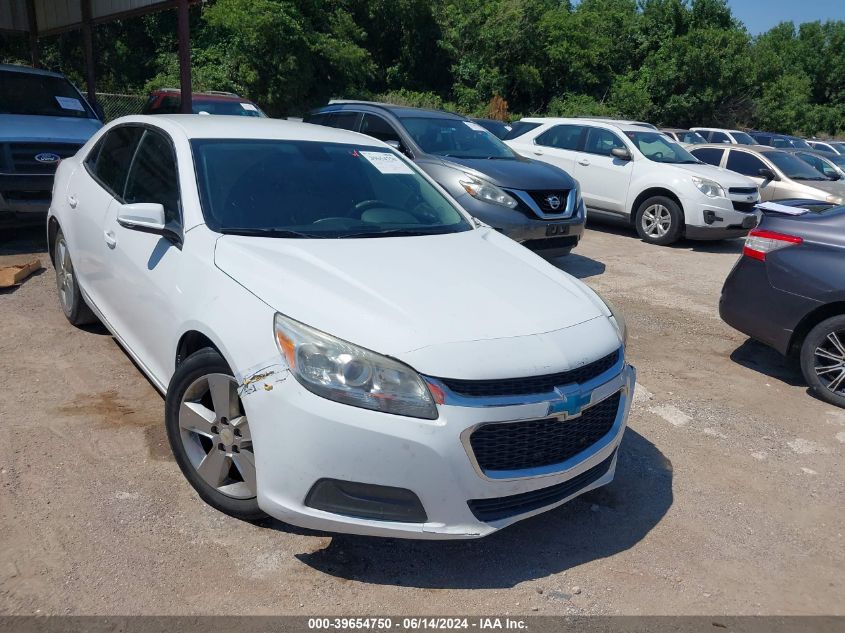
[169,101]
[772,139]
[531,202]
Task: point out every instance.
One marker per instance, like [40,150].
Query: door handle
[72,201]
[111,240]
[539,152]
[583,161]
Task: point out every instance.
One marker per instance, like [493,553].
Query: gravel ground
[727,500]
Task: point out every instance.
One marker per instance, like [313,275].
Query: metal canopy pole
[88,44]
[32,19]
[184,57]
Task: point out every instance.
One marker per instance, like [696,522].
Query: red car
[169,101]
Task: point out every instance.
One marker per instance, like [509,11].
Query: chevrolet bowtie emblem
[571,403]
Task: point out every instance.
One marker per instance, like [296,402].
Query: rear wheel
[210,436]
[659,220]
[70,297]
[823,360]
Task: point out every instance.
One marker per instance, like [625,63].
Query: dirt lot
[728,496]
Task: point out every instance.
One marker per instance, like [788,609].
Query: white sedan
[339,344]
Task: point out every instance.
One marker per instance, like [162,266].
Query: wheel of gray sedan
[659,220]
[70,298]
[209,434]
[823,360]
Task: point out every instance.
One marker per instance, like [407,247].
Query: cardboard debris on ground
[16,273]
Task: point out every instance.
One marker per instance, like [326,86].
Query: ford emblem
[47,157]
[554,202]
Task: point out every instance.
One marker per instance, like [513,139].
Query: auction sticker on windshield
[69,103]
[386,163]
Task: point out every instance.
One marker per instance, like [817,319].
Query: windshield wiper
[391,233]
[269,232]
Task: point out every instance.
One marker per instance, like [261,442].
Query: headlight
[834,199]
[709,188]
[618,320]
[343,372]
[486,192]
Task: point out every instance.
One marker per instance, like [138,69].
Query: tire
[823,350]
[209,435]
[70,298]
[659,220]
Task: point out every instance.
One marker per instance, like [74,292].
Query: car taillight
[759,243]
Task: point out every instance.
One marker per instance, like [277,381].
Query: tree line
[671,62]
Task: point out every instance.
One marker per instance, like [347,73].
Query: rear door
[604,178]
[90,194]
[558,146]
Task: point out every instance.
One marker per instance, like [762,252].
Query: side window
[344,120]
[709,155]
[109,161]
[317,119]
[763,139]
[780,142]
[744,163]
[601,141]
[153,176]
[377,127]
[561,137]
[718,137]
[817,163]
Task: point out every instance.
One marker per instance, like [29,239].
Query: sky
[761,15]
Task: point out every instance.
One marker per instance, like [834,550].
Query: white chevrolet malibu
[339,344]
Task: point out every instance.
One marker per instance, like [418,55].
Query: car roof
[211,95]
[396,110]
[675,129]
[15,68]
[196,126]
[607,124]
[754,148]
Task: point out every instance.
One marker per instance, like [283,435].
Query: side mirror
[834,176]
[621,153]
[767,174]
[147,217]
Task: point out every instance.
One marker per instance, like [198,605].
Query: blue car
[43,119]
[788,291]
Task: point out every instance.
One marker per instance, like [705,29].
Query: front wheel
[209,434]
[659,220]
[823,360]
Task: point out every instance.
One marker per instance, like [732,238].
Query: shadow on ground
[597,525]
[732,245]
[579,266]
[764,359]
[23,240]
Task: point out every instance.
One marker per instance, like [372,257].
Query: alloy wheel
[216,437]
[64,276]
[830,362]
[656,221]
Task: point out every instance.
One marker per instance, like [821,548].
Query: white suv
[642,177]
[720,135]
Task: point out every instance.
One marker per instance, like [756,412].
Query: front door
[604,178]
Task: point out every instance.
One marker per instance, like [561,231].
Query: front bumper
[717,218]
[25,197]
[301,438]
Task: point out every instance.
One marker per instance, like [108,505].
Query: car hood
[518,173]
[56,129]
[403,294]
[724,177]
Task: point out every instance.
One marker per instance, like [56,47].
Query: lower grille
[545,199]
[23,156]
[531,384]
[506,507]
[743,191]
[567,241]
[537,443]
[745,207]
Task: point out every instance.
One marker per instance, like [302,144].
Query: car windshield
[660,148]
[691,138]
[455,138]
[45,95]
[838,146]
[743,139]
[793,167]
[215,106]
[309,189]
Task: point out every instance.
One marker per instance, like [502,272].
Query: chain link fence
[117,105]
